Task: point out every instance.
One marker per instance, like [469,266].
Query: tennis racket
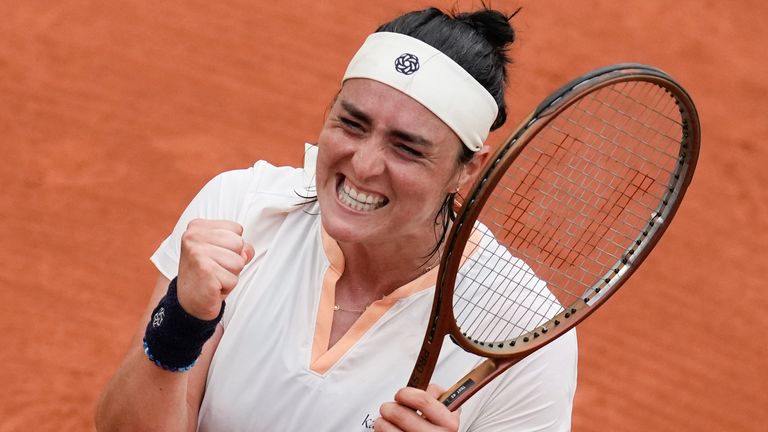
[566,210]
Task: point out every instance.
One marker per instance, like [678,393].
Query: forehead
[390,108]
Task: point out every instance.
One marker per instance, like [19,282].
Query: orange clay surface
[113,115]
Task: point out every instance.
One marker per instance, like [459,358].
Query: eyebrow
[355,112]
[361,116]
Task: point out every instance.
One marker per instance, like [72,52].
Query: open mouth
[357,200]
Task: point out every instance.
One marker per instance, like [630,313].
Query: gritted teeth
[360,200]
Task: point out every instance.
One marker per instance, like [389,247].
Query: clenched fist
[213,253]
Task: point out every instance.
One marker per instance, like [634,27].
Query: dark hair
[478,42]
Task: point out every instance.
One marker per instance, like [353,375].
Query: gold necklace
[338,308]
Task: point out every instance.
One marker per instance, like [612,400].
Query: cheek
[334,142]
[424,193]
[328,152]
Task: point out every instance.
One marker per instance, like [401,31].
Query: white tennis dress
[273,370]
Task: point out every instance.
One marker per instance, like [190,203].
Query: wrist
[174,339]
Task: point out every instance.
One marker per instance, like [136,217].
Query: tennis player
[328,270]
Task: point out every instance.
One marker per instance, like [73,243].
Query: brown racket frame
[502,355]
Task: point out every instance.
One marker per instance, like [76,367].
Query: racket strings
[568,210]
[639,126]
[495,303]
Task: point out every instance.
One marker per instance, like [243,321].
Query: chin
[340,229]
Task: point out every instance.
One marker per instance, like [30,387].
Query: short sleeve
[258,198]
[221,198]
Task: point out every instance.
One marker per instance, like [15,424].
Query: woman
[327,299]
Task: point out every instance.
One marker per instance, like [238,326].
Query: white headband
[432,79]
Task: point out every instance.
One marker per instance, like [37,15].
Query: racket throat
[460,392]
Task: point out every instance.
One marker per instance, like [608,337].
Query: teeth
[359,200]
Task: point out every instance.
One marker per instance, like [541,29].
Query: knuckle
[239,243]
[386,408]
[237,228]
[195,254]
[195,223]
[186,236]
[190,237]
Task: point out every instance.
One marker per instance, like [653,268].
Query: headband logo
[407,64]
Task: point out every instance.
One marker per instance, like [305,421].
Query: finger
[200,293]
[248,252]
[198,244]
[435,391]
[220,233]
[382,425]
[216,224]
[401,417]
[429,406]
[228,281]
[231,261]
[221,237]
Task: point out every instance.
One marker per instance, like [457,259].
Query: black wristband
[174,339]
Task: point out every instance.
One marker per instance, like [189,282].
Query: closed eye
[410,150]
[351,125]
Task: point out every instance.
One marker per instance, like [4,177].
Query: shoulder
[258,197]
[264,178]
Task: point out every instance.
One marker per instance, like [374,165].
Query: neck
[374,272]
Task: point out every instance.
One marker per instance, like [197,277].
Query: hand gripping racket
[567,209]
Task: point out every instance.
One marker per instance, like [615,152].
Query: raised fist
[213,253]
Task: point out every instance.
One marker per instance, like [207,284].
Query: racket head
[566,210]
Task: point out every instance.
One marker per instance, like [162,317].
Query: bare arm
[143,396]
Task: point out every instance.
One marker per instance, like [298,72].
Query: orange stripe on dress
[324,358]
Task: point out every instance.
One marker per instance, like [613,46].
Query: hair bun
[477,41]
[492,24]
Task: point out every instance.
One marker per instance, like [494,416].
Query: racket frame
[503,354]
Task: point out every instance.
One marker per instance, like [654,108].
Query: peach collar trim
[323,357]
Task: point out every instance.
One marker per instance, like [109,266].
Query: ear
[472,169]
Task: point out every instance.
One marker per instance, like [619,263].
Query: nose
[368,158]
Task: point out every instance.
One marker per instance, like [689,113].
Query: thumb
[248,252]
[440,394]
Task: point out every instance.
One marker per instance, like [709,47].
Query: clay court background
[113,114]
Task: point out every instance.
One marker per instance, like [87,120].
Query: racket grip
[460,392]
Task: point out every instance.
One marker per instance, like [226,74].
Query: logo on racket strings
[407,64]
